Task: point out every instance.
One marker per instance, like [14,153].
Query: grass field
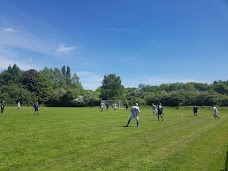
[86,139]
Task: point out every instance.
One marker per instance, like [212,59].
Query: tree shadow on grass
[226,162]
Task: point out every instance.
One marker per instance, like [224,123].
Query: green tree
[13,93]
[11,75]
[111,88]
[38,83]
[68,77]
[63,69]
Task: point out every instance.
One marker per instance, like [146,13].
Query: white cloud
[9,29]
[27,41]
[9,57]
[32,42]
[63,49]
[90,80]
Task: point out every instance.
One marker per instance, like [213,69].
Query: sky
[147,42]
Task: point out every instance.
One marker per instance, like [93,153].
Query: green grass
[86,139]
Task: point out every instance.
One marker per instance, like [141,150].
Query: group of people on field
[158,110]
[102,104]
[214,109]
[35,106]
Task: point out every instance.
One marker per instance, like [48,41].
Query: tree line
[59,87]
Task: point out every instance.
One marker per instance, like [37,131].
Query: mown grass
[87,139]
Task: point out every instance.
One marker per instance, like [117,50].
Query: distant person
[115,106]
[102,106]
[126,106]
[195,110]
[134,114]
[36,108]
[107,107]
[18,105]
[2,106]
[154,110]
[160,112]
[215,110]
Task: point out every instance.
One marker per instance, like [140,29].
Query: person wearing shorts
[36,108]
[134,114]
[154,109]
[215,110]
[195,110]
[160,112]
[2,107]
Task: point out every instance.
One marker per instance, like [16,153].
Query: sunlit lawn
[88,139]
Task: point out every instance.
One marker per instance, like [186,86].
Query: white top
[215,109]
[135,110]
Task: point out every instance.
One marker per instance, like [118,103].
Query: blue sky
[142,41]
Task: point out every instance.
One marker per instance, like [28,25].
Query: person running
[154,110]
[102,106]
[160,112]
[134,114]
[36,108]
[215,110]
[195,110]
[2,107]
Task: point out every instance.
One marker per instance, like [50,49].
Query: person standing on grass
[126,106]
[134,114]
[102,106]
[115,106]
[2,106]
[36,108]
[154,109]
[215,110]
[107,107]
[18,105]
[195,110]
[160,112]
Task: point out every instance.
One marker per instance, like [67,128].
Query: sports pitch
[88,139]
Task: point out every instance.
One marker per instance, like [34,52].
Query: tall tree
[38,83]
[11,75]
[59,79]
[111,88]
[76,84]
[63,69]
[68,77]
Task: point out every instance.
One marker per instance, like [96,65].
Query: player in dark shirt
[195,110]
[107,107]
[36,108]
[160,111]
[2,107]
[126,106]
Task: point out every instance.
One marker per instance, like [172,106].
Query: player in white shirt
[18,105]
[115,106]
[215,110]
[154,109]
[102,106]
[134,114]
